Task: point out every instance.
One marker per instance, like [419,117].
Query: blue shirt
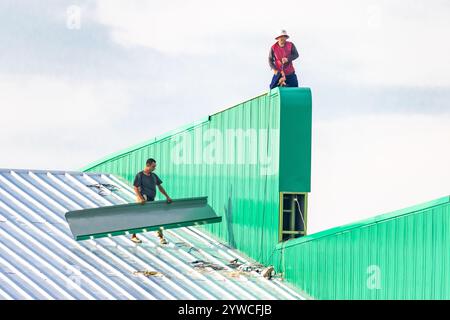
[147,184]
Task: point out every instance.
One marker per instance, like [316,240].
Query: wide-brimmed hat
[282,33]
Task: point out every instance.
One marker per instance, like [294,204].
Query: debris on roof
[149,273]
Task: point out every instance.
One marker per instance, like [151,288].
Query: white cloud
[34,102]
[369,165]
[55,121]
[192,26]
[361,42]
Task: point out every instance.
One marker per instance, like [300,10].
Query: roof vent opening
[293,209]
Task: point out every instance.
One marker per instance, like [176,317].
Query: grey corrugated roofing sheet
[39,259]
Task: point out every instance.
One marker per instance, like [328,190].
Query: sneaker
[136,239]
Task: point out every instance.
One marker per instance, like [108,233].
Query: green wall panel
[295,140]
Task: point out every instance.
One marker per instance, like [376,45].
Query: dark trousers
[148,198]
[291,80]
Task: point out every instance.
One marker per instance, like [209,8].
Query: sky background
[74,90]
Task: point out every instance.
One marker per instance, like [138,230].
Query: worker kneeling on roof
[145,184]
[281,55]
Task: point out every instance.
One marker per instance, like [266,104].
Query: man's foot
[160,235]
[136,239]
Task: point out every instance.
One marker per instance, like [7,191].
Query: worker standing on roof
[145,184]
[281,55]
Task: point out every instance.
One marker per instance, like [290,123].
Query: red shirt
[277,53]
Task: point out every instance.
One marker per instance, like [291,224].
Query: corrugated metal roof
[40,260]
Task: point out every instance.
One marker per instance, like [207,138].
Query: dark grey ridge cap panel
[136,218]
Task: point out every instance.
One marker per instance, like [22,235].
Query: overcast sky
[74,90]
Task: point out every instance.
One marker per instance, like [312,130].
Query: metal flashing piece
[137,218]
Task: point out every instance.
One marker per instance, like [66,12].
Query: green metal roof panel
[137,218]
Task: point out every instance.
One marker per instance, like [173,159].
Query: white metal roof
[39,259]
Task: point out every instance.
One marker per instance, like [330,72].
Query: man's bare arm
[163,191]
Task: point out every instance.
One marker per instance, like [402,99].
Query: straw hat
[282,33]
